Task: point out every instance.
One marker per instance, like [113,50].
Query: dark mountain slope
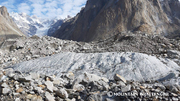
[101,19]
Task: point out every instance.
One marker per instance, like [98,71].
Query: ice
[132,66]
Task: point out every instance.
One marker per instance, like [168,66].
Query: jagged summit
[33,25]
[101,19]
[8,29]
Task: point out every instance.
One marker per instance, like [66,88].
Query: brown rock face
[172,9]
[8,29]
[101,19]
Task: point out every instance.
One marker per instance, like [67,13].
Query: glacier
[130,65]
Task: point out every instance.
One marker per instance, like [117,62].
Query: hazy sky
[45,8]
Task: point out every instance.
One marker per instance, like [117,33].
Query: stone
[58,81]
[105,79]
[5,90]
[2,78]
[15,94]
[168,77]
[38,90]
[70,75]
[173,54]
[175,99]
[4,85]
[121,83]
[78,87]
[94,97]
[141,87]
[117,77]
[126,88]
[35,76]
[162,87]
[49,97]
[17,99]
[42,86]
[28,57]
[19,90]
[49,85]
[25,79]
[172,88]
[62,93]
[92,77]
[34,97]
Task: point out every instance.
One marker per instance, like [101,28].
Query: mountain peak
[33,25]
[3,11]
[101,19]
[8,29]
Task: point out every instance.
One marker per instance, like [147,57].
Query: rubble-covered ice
[132,66]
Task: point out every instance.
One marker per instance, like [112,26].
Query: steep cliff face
[172,9]
[8,29]
[101,19]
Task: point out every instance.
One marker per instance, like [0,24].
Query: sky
[44,8]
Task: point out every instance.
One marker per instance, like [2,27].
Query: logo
[110,94]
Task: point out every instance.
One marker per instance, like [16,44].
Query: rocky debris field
[50,69]
[16,86]
[13,51]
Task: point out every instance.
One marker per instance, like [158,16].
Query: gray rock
[17,99]
[4,85]
[28,57]
[58,81]
[173,54]
[175,99]
[49,86]
[35,75]
[62,93]
[2,78]
[126,88]
[5,90]
[108,99]
[169,76]
[172,88]
[49,97]
[121,83]
[95,97]
[15,94]
[25,79]
[70,75]
[157,85]
[38,90]
[78,87]
[117,77]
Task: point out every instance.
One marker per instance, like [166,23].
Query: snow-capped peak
[33,25]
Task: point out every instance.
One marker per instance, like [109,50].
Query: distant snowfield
[42,31]
[132,66]
[32,25]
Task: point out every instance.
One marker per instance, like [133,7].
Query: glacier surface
[132,66]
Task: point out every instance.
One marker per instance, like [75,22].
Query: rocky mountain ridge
[8,29]
[105,18]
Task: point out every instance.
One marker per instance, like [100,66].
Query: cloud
[45,8]
[52,8]
[9,4]
[24,8]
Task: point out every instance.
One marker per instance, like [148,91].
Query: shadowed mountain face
[8,29]
[101,19]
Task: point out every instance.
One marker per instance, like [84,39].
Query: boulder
[117,77]
[49,86]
